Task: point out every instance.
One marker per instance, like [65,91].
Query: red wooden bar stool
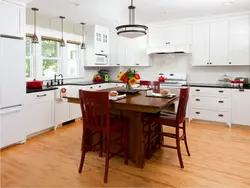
[172,120]
[96,121]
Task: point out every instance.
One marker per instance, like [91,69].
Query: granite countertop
[216,85]
[39,90]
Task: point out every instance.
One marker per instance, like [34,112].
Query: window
[28,58]
[73,59]
[50,58]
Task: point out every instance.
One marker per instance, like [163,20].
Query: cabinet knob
[100,86]
[118,64]
[167,42]
[102,51]
[91,87]
[208,63]
[230,63]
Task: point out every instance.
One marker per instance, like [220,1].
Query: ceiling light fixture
[34,37]
[62,43]
[131,30]
[83,46]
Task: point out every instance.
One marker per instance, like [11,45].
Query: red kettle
[161,79]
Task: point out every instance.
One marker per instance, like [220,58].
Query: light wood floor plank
[220,158]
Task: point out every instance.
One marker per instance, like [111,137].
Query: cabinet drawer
[210,115]
[211,102]
[210,91]
[39,97]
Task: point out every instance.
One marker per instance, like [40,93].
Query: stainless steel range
[173,82]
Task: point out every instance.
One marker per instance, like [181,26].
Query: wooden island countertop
[133,107]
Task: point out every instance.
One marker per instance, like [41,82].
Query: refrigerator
[12,90]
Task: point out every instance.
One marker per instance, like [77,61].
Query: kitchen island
[133,107]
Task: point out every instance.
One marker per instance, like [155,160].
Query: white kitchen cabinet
[14,17]
[75,111]
[136,52]
[219,43]
[201,44]
[39,108]
[241,107]
[211,104]
[12,128]
[239,47]
[62,112]
[173,35]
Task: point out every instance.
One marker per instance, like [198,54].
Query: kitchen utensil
[35,84]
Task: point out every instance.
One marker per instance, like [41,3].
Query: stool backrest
[95,109]
[154,84]
[183,100]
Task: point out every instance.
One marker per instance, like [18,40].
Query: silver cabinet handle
[220,115]
[221,101]
[197,112]
[221,91]
[241,90]
[197,99]
[44,95]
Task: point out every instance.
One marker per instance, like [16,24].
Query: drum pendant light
[132,30]
[34,37]
[62,43]
[83,46]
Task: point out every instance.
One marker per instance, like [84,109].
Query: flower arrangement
[129,77]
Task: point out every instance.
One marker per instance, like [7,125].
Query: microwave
[101,59]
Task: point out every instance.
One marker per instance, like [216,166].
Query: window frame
[30,58]
[58,58]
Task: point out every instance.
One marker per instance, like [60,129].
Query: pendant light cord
[34,22]
[62,28]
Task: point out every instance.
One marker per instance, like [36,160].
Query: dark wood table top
[136,102]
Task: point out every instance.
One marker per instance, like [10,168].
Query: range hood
[170,49]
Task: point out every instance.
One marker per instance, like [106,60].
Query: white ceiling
[112,12]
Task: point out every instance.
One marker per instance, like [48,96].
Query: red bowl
[34,84]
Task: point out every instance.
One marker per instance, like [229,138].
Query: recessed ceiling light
[229,2]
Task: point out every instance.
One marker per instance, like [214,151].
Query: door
[219,43]
[39,116]
[15,18]
[12,71]
[12,128]
[241,107]
[160,36]
[140,51]
[239,41]
[75,111]
[201,45]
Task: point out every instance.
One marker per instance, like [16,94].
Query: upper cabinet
[169,35]
[221,43]
[128,52]
[239,41]
[97,37]
[13,16]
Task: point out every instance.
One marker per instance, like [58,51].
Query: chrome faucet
[57,81]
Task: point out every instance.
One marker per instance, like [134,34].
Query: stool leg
[149,148]
[185,137]
[107,157]
[83,151]
[125,144]
[101,144]
[178,146]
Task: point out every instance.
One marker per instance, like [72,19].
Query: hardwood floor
[220,158]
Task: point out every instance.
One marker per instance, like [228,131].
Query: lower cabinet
[75,111]
[241,107]
[61,112]
[211,104]
[39,112]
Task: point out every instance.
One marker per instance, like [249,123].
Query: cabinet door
[15,16]
[241,107]
[39,116]
[201,45]
[160,36]
[62,113]
[219,43]
[75,111]
[122,51]
[130,52]
[140,51]
[239,41]
[12,128]
[113,48]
